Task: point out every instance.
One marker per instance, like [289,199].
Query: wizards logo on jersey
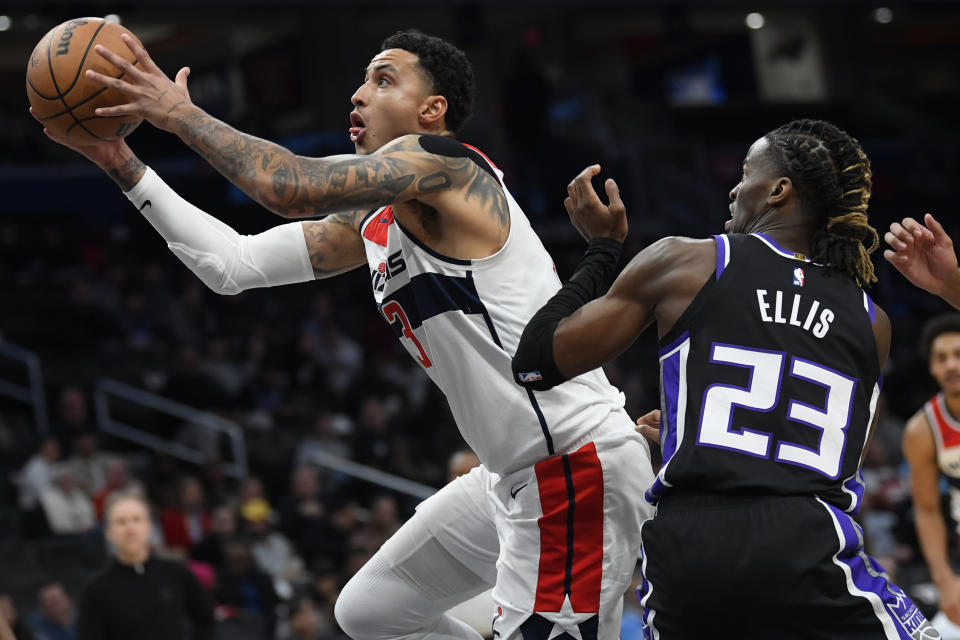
[387,269]
[798,277]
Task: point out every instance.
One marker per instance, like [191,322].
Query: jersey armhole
[870,307]
[723,254]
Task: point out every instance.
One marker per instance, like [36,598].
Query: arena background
[667,96]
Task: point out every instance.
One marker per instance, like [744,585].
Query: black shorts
[766,567]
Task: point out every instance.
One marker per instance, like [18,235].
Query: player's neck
[786,227]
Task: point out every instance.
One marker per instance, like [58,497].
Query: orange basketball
[61,95]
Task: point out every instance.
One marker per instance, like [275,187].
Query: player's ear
[432,111]
[781,191]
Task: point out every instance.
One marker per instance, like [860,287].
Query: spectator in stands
[56,619]
[302,513]
[139,596]
[305,622]
[89,462]
[35,475]
[250,488]
[74,415]
[383,523]
[245,591]
[271,550]
[223,527]
[324,591]
[187,523]
[117,478]
[10,615]
[67,508]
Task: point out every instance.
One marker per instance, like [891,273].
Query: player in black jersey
[770,363]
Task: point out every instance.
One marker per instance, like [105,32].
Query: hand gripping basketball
[153,96]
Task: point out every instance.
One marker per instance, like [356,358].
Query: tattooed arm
[334,243]
[296,186]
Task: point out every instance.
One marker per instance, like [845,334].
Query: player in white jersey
[551,517]
[931,444]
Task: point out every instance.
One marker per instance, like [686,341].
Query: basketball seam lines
[60,95]
[93,39]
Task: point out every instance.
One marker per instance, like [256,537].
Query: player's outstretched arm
[925,256]
[281,181]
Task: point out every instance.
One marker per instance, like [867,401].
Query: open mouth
[357,127]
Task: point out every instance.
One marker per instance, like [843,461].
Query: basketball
[62,97]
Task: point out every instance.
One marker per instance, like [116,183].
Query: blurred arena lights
[5,23]
[883,15]
[755,20]
[112,17]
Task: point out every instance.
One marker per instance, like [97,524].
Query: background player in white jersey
[552,515]
[931,444]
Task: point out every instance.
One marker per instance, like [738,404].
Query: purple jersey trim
[871,307]
[722,258]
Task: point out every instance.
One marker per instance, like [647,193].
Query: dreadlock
[832,177]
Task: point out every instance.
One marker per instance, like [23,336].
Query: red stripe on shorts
[587,529]
[554,501]
[585,484]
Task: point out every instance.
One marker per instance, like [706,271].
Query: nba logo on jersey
[798,276]
[530,376]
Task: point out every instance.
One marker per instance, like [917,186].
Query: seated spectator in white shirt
[35,475]
[89,463]
[67,508]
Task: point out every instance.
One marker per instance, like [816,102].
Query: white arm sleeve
[226,261]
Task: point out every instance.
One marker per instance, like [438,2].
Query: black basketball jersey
[769,380]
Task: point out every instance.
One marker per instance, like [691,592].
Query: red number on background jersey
[391,311]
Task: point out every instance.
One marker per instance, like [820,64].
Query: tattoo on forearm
[126,174]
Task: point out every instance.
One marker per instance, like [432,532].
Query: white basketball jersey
[946,433]
[462,320]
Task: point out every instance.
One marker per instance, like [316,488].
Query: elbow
[533,365]
[529,376]
[270,201]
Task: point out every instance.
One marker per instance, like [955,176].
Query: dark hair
[832,176]
[936,327]
[445,68]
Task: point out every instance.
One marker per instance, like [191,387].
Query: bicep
[334,244]
[402,170]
